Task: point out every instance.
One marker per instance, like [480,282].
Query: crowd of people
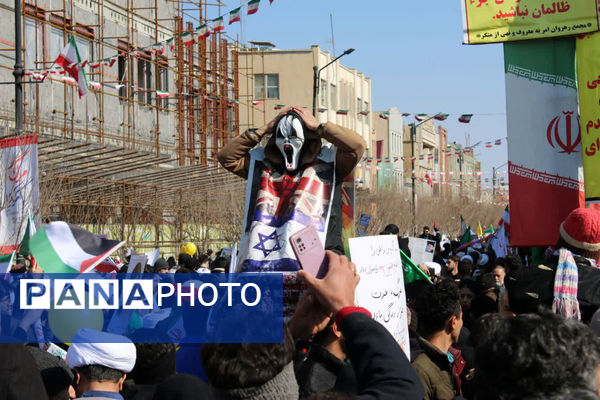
[524,326]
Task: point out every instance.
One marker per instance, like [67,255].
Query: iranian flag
[253,7]
[544,150]
[234,16]
[203,32]
[70,61]
[188,38]
[60,247]
[384,115]
[160,94]
[218,24]
[465,118]
[441,117]
[420,117]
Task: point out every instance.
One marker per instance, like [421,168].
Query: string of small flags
[188,38]
[464,118]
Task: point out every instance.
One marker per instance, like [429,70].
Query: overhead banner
[493,21]
[19,188]
[588,79]
[544,141]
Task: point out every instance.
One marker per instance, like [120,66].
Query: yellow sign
[588,83]
[492,21]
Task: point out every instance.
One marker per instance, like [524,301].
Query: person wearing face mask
[295,180]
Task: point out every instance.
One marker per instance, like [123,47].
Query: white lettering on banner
[545,177]
[541,76]
[381,286]
[136,294]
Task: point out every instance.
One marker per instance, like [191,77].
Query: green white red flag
[70,61]
[203,32]
[253,7]
[60,247]
[465,118]
[234,16]
[544,149]
[218,24]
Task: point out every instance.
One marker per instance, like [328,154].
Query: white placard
[136,259]
[421,250]
[381,286]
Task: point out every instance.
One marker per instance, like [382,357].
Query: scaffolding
[123,156]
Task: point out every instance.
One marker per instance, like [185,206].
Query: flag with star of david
[279,204]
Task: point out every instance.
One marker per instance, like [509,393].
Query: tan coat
[350,145]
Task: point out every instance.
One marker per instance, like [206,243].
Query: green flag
[490,230]
[463,226]
[29,232]
[411,271]
[466,237]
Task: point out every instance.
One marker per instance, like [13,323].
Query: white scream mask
[289,138]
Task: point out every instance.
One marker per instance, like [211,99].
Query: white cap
[483,259]
[108,350]
[437,268]
[466,258]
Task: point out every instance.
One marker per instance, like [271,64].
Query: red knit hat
[581,229]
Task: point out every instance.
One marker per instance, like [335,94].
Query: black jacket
[321,371]
[381,367]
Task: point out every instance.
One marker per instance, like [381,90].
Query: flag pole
[18,71]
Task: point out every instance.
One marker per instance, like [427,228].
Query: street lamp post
[413,134]
[317,75]
[494,180]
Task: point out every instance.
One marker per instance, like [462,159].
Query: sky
[411,50]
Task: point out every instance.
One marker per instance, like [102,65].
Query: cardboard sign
[137,264]
[381,287]
[421,250]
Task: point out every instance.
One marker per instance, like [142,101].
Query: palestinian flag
[384,115]
[342,112]
[160,94]
[253,7]
[234,16]
[218,24]
[420,117]
[203,31]
[441,117]
[465,118]
[29,232]
[411,271]
[6,261]
[188,38]
[60,247]
[70,60]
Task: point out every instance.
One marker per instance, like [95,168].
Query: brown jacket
[235,155]
[440,378]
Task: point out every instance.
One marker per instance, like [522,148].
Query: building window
[86,50]
[323,92]
[144,88]
[163,81]
[32,47]
[359,108]
[56,42]
[266,86]
[333,94]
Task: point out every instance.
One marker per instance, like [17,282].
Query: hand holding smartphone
[309,251]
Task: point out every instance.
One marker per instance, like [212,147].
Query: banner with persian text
[544,141]
[18,188]
[493,21]
[588,77]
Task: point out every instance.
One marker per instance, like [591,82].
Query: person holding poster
[293,181]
